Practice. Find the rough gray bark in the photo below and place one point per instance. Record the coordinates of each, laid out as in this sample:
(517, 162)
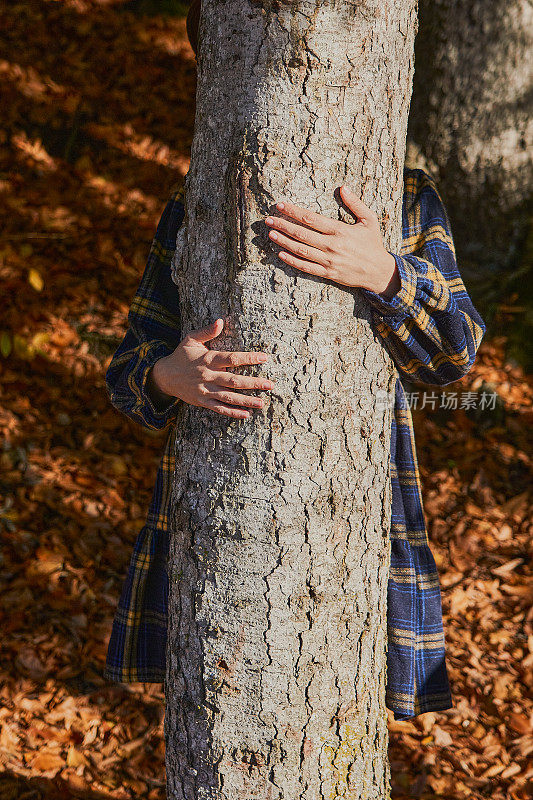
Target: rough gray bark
(471, 117)
(279, 555)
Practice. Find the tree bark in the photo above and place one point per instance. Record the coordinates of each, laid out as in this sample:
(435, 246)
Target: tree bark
(279, 554)
(471, 118)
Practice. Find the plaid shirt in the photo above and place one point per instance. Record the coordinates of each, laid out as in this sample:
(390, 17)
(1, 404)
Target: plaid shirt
(431, 330)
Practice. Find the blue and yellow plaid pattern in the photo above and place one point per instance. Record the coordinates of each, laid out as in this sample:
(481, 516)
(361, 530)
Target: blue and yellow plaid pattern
(432, 331)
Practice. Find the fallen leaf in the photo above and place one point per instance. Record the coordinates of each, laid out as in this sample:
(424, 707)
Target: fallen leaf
(46, 762)
(35, 279)
(442, 738)
(75, 758)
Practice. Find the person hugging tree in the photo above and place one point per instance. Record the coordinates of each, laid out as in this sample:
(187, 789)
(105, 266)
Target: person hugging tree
(426, 320)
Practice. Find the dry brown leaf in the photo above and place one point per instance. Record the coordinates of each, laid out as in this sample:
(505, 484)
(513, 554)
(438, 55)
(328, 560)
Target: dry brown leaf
(46, 762)
(29, 662)
(512, 769)
(508, 567)
(520, 723)
(75, 758)
(442, 738)
(65, 713)
(516, 506)
(9, 739)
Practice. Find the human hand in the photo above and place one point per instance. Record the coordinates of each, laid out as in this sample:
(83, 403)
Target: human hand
(349, 254)
(197, 375)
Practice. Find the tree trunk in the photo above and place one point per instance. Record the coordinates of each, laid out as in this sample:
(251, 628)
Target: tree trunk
(471, 117)
(279, 554)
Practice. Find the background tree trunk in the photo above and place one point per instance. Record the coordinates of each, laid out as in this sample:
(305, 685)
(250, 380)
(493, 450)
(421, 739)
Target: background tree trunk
(279, 557)
(471, 117)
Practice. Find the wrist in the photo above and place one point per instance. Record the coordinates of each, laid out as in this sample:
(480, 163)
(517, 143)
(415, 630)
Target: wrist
(388, 280)
(157, 382)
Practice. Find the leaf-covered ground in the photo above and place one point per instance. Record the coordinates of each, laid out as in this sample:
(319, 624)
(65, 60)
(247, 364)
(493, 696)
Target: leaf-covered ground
(96, 128)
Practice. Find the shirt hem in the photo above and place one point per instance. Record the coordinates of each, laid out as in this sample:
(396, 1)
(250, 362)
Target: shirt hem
(119, 676)
(422, 707)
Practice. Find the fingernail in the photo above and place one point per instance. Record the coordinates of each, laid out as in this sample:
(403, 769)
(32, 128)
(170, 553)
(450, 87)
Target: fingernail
(262, 358)
(348, 191)
(280, 205)
(269, 221)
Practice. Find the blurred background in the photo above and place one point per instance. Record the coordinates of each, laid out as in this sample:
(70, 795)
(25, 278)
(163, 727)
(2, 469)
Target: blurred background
(97, 122)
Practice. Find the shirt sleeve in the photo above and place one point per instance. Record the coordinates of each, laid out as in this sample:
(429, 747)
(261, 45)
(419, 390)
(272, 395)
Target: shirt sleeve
(430, 326)
(154, 328)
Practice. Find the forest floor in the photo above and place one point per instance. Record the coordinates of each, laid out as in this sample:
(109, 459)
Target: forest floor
(97, 126)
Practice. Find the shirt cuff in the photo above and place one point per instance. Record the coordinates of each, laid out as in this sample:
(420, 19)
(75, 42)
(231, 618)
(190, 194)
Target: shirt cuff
(156, 416)
(402, 301)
